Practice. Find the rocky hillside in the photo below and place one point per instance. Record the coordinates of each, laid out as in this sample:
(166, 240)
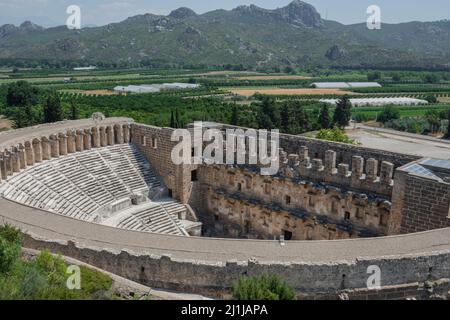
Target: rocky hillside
(250, 36)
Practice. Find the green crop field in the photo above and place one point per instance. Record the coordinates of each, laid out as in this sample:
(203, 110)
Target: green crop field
(91, 91)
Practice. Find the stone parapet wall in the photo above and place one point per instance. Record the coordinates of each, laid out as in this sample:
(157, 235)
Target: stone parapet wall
(35, 148)
(344, 152)
(361, 175)
(311, 279)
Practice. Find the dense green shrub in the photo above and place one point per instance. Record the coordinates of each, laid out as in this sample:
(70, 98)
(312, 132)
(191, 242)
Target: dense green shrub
(44, 278)
(9, 254)
(431, 98)
(10, 234)
(412, 125)
(264, 287)
(387, 114)
(374, 76)
(363, 117)
(336, 135)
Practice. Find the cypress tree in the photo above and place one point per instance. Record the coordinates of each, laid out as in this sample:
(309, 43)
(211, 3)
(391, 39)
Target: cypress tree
(52, 108)
(269, 114)
(342, 114)
(286, 120)
(447, 136)
(73, 111)
(302, 119)
(324, 117)
(29, 115)
(172, 120)
(178, 120)
(235, 115)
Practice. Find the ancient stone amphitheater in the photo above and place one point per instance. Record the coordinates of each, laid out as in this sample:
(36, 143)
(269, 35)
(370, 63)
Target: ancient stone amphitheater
(105, 191)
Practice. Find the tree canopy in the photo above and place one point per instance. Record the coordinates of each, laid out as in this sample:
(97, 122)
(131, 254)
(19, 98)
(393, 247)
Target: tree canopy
(52, 108)
(264, 287)
(21, 94)
(343, 113)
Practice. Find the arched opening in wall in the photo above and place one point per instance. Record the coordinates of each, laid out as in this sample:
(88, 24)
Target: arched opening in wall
(194, 176)
(309, 232)
(384, 218)
(247, 227)
(267, 187)
(334, 206)
(144, 141)
(331, 234)
(311, 201)
(170, 192)
(347, 215)
(239, 186)
(248, 182)
(231, 179)
(287, 200)
(359, 213)
(154, 143)
(287, 235)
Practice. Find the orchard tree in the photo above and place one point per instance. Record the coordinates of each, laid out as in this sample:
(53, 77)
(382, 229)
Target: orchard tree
(388, 113)
(21, 94)
(374, 76)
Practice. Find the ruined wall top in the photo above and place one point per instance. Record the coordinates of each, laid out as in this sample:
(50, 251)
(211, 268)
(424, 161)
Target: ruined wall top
(345, 152)
(14, 137)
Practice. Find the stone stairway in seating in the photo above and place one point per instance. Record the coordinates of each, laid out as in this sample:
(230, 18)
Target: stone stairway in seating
(79, 184)
(139, 162)
(154, 217)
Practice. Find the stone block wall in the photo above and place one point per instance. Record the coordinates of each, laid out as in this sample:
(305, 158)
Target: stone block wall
(399, 274)
(344, 152)
(269, 206)
(362, 175)
(156, 145)
(420, 204)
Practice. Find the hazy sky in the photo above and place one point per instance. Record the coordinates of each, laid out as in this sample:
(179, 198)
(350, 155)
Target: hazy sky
(100, 12)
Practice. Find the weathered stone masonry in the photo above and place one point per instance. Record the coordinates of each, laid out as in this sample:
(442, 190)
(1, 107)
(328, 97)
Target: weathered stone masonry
(354, 197)
(323, 191)
(18, 157)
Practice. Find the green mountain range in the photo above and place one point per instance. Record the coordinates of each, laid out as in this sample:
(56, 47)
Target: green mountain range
(247, 36)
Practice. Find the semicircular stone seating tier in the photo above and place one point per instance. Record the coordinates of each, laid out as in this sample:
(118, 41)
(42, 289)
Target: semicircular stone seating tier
(81, 185)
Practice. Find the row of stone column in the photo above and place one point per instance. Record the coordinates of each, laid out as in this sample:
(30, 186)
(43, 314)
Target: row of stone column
(343, 170)
(30, 152)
